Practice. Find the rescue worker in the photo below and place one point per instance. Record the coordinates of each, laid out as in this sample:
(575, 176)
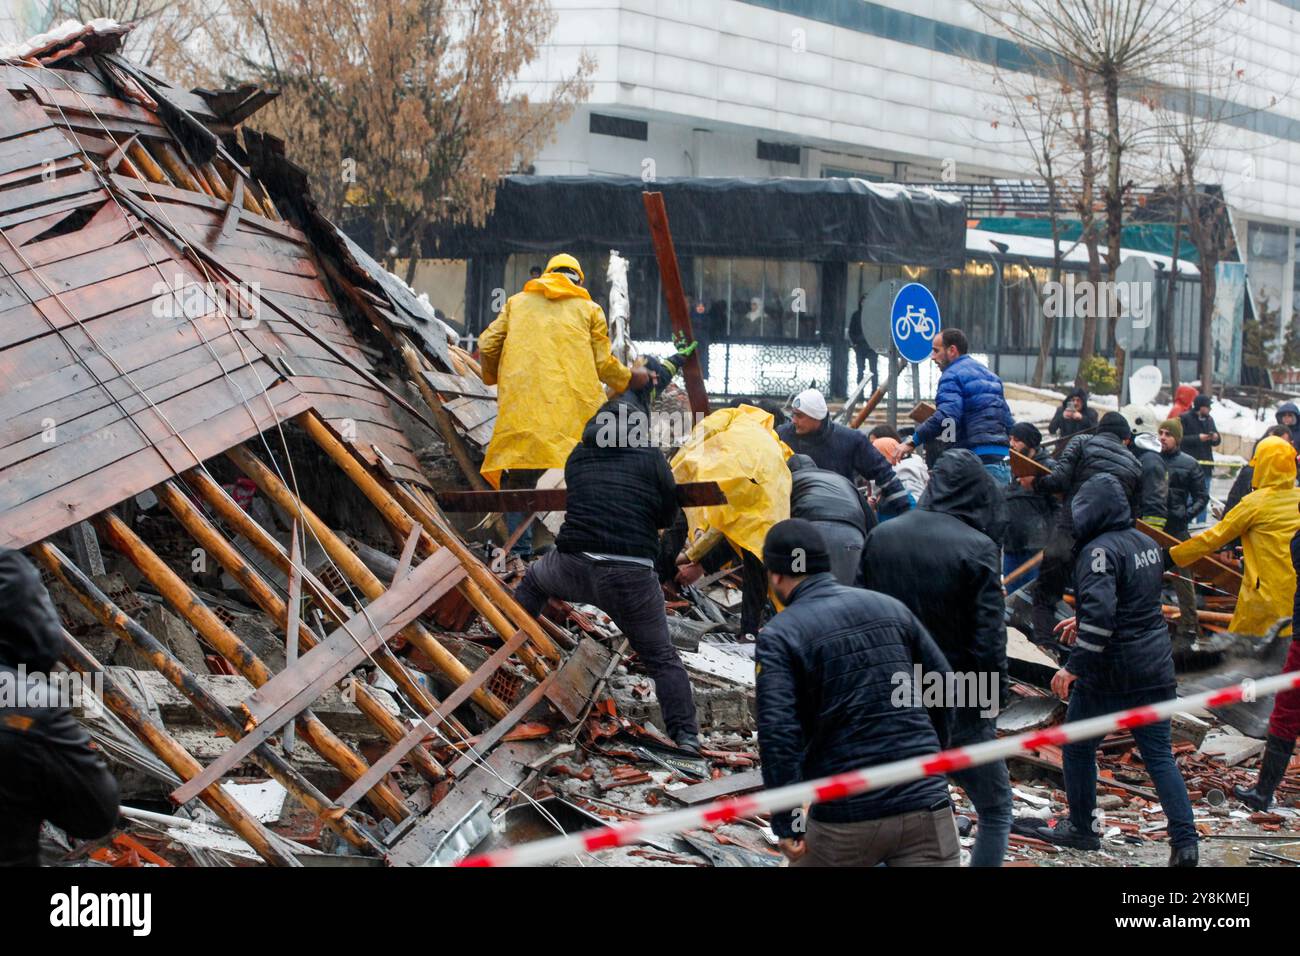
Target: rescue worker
(1104, 452)
(1200, 434)
(970, 408)
(548, 353)
(841, 449)
(1283, 723)
(836, 692)
(1074, 415)
(739, 449)
(1266, 520)
(1030, 516)
(1188, 495)
(830, 503)
(620, 493)
(942, 561)
(49, 769)
(1120, 658)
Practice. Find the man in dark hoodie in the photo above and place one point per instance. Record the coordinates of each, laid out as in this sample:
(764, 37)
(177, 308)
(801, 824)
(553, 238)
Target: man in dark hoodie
(1201, 435)
(1105, 452)
(1289, 415)
(837, 509)
(1188, 495)
(942, 560)
(1030, 516)
(620, 493)
(1120, 658)
(1073, 416)
(836, 692)
(48, 767)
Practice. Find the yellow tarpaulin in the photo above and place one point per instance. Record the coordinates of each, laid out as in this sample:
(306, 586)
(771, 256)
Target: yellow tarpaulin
(737, 448)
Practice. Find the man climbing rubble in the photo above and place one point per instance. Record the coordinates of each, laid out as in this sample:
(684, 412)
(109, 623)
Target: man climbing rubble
(846, 451)
(942, 560)
(620, 493)
(48, 768)
(548, 353)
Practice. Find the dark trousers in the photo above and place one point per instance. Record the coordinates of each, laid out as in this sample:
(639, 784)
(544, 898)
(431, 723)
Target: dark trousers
(520, 479)
(988, 786)
(753, 592)
(916, 838)
(631, 596)
(1079, 762)
(66, 783)
(1054, 576)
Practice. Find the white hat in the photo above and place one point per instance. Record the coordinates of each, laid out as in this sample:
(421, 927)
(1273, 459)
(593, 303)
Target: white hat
(811, 403)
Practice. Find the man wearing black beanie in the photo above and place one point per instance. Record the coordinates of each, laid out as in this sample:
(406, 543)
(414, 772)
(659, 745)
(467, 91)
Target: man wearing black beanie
(840, 687)
(1103, 453)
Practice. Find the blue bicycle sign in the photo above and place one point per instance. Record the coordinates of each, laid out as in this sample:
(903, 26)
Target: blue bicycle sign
(914, 321)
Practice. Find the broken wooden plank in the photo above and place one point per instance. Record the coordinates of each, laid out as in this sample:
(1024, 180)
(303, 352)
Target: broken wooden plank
(690, 494)
(711, 790)
(675, 298)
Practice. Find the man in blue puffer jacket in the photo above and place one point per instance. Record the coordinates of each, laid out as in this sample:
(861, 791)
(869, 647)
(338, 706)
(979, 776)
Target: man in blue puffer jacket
(970, 409)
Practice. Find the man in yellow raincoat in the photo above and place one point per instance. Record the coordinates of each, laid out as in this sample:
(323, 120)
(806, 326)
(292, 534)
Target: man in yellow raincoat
(739, 449)
(548, 353)
(1265, 520)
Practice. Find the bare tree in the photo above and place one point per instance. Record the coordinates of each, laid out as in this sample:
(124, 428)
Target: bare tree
(405, 113)
(1121, 46)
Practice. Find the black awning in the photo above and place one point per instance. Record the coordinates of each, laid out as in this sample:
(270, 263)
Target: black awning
(810, 219)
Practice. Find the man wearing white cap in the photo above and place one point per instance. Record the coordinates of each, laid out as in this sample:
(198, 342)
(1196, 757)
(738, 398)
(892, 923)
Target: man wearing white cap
(846, 451)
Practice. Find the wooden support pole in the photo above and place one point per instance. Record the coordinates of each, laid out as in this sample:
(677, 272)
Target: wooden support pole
(191, 607)
(484, 589)
(240, 521)
(176, 757)
(256, 587)
(356, 571)
(146, 163)
(675, 298)
(163, 661)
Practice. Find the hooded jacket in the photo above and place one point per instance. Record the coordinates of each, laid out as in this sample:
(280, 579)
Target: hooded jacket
(849, 452)
(1188, 491)
(1065, 427)
(1085, 456)
(548, 353)
(1153, 486)
(1265, 520)
(1123, 642)
(620, 488)
(830, 699)
(970, 396)
(1295, 429)
(1183, 398)
(1030, 515)
(942, 561)
(820, 495)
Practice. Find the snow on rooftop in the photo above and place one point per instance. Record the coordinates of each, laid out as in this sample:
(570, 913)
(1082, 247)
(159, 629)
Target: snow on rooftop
(64, 32)
(1074, 253)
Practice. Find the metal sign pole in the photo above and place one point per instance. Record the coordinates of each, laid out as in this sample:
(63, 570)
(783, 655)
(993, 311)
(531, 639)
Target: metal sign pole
(893, 385)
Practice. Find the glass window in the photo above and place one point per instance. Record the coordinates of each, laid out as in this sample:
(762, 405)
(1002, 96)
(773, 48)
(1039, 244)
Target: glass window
(1266, 265)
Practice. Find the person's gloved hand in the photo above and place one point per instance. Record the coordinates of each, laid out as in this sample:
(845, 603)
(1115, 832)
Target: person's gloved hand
(682, 347)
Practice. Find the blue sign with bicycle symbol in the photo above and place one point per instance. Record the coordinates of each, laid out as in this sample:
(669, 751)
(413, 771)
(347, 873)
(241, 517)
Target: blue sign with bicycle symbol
(914, 321)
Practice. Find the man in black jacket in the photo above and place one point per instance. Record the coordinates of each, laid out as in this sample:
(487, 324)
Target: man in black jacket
(941, 562)
(1105, 452)
(836, 508)
(1120, 659)
(1074, 415)
(843, 450)
(1188, 495)
(1153, 485)
(48, 767)
(1200, 435)
(1030, 516)
(836, 692)
(620, 493)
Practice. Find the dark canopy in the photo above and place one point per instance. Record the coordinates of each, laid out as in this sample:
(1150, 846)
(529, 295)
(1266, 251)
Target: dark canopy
(810, 219)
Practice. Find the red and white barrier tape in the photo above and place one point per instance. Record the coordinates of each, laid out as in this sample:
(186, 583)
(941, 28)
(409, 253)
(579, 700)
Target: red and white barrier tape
(873, 778)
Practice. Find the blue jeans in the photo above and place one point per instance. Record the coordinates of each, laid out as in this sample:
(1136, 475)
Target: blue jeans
(988, 787)
(1000, 470)
(1079, 762)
